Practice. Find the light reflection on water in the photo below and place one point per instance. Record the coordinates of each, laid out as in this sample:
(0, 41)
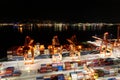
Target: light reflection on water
(60, 27)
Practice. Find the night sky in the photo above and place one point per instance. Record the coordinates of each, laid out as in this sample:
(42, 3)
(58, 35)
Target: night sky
(61, 10)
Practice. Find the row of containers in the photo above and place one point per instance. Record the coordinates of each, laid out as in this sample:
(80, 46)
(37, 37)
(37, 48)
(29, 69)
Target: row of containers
(78, 73)
(70, 76)
(110, 68)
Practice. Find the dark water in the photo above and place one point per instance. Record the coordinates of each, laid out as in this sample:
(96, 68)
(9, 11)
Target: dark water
(14, 36)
